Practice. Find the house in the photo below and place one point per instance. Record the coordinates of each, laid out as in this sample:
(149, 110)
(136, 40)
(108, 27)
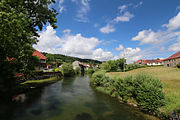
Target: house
(173, 60)
(152, 62)
(42, 63)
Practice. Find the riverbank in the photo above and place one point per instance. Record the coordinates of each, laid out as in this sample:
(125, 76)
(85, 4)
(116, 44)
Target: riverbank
(170, 78)
(39, 83)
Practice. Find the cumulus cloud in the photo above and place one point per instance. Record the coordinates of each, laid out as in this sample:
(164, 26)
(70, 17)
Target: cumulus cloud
(124, 18)
(174, 47)
(130, 54)
(100, 54)
(71, 45)
(147, 36)
(75, 45)
(107, 29)
(49, 41)
(174, 23)
(83, 9)
(120, 48)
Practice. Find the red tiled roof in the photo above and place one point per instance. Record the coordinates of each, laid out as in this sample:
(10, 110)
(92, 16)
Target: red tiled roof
(149, 61)
(176, 55)
(37, 53)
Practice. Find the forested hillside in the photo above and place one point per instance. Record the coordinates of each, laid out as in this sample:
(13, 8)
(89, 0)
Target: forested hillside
(58, 58)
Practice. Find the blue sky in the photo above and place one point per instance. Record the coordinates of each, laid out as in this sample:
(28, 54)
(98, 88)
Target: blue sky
(112, 29)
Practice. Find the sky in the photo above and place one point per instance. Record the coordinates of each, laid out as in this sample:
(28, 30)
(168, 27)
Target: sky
(112, 29)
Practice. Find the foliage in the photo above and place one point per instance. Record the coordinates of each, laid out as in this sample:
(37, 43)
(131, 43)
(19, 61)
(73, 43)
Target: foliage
(105, 66)
(59, 59)
(144, 89)
(90, 71)
(148, 92)
(67, 69)
(178, 65)
(77, 70)
(132, 66)
(113, 65)
(20, 21)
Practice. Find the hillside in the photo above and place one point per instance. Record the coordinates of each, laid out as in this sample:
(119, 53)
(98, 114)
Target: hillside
(62, 58)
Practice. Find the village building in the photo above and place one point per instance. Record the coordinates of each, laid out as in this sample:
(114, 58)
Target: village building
(153, 62)
(173, 60)
(42, 63)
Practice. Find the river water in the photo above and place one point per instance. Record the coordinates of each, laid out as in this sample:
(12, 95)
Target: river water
(70, 99)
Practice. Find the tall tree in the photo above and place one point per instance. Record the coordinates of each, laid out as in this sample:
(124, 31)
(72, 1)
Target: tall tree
(20, 21)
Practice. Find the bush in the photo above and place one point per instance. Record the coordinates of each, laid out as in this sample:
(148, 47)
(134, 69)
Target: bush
(90, 71)
(144, 89)
(67, 69)
(148, 92)
(105, 66)
(99, 78)
(132, 66)
(77, 70)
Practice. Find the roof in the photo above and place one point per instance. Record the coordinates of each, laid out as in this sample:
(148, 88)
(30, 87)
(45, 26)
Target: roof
(176, 55)
(37, 53)
(149, 61)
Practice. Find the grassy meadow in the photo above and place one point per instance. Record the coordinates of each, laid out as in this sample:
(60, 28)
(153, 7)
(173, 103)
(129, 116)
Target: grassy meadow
(170, 77)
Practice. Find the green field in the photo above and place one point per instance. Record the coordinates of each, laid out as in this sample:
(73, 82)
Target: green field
(170, 77)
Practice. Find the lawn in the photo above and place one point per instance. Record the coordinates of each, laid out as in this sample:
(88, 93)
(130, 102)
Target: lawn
(170, 77)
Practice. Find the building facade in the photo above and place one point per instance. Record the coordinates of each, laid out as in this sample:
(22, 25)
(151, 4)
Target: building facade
(173, 60)
(153, 62)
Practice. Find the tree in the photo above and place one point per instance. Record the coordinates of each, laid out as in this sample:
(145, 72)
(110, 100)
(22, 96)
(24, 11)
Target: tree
(20, 21)
(121, 63)
(67, 69)
(105, 66)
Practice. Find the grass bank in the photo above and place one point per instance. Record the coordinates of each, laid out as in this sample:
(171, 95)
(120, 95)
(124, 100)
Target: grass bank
(170, 77)
(39, 83)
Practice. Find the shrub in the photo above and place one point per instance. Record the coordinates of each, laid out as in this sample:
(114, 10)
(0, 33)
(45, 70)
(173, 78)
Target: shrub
(105, 66)
(67, 69)
(144, 89)
(99, 78)
(148, 92)
(90, 71)
(77, 70)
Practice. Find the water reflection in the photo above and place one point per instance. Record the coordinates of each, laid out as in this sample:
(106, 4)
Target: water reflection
(69, 99)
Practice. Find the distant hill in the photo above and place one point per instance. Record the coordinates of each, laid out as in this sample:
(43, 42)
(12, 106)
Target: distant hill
(62, 58)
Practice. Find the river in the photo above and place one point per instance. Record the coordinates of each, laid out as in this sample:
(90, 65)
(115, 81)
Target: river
(70, 99)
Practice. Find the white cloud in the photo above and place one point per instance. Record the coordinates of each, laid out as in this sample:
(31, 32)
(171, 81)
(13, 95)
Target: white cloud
(48, 40)
(71, 45)
(76, 45)
(139, 4)
(124, 18)
(131, 54)
(107, 29)
(147, 36)
(83, 9)
(174, 23)
(120, 48)
(122, 8)
(174, 47)
(100, 54)
(178, 8)
(67, 31)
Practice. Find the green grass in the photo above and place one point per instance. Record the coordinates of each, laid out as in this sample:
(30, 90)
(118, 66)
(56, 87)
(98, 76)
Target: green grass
(43, 81)
(170, 77)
